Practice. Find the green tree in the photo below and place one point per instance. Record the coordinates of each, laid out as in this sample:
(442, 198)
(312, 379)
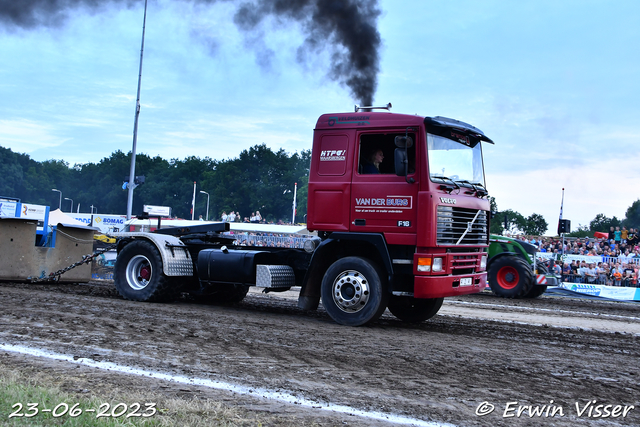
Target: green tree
(535, 225)
(602, 223)
(510, 221)
(580, 231)
(632, 217)
(497, 221)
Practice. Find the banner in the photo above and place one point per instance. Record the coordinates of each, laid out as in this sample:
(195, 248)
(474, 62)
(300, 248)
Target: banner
(602, 291)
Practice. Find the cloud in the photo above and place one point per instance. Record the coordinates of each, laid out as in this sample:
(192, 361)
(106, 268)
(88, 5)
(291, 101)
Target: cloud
(594, 187)
(27, 136)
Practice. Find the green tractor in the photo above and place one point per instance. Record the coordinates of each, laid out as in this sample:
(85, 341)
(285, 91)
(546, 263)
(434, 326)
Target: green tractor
(512, 270)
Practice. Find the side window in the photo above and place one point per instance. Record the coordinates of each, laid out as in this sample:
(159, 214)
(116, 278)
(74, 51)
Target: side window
(377, 153)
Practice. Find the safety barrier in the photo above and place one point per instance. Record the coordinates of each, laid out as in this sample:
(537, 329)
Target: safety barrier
(588, 259)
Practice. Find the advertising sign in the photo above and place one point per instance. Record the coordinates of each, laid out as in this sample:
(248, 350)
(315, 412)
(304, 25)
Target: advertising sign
(157, 210)
(8, 209)
(29, 211)
(105, 223)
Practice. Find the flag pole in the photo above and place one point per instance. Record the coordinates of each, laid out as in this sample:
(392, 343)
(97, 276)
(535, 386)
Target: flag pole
(560, 220)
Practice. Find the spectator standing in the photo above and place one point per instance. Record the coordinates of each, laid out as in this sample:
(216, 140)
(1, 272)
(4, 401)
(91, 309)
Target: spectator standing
(231, 217)
(624, 235)
(632, 238)
(590, 274)
(603, 273)
(224, 216)
(616, 274)
(617, 236)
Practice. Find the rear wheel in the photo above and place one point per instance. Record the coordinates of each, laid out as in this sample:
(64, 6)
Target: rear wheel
(354, 291)
(414, 310)
(510, 277)
(224, 294)
(138, 274)
(537, 290)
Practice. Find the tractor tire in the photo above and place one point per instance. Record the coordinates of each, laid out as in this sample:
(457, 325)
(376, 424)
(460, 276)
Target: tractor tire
(414, 310)
(510, 277)
(354, 291)
(138, 274)
(537, 290)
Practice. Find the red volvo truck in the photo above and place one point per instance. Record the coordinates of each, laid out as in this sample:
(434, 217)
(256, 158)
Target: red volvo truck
(402, 218)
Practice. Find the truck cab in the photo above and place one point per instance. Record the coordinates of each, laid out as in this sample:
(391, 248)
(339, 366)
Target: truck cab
(421, 211)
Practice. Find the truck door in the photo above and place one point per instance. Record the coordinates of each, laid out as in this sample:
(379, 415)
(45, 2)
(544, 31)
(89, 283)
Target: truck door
(381, 201)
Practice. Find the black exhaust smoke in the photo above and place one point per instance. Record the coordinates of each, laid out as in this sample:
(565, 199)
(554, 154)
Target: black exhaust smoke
(345, 28)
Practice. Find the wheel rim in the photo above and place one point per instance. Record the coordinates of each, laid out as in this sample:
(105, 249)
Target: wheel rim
(139, 272)
(350, 291)
(508, 277)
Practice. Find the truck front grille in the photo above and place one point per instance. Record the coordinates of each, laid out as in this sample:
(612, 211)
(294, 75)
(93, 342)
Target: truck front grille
(455, 226)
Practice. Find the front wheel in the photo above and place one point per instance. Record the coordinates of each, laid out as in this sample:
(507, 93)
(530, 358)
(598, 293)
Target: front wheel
(354, 291)
(138, 274)
(414, 310)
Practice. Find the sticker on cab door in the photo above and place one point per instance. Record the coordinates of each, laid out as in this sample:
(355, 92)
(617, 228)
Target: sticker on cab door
(389, 204)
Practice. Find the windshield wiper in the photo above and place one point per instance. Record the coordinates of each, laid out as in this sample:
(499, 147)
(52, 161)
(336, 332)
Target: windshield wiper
(444, 187)
(477, 187)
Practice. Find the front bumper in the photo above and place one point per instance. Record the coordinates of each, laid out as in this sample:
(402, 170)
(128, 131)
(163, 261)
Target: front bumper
(447, 286)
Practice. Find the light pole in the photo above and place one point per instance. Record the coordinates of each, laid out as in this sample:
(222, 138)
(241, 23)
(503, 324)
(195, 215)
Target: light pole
(71, 210)
(60, 203)
(132, 169)
(204, 192)
(96, 208)
(295, 193)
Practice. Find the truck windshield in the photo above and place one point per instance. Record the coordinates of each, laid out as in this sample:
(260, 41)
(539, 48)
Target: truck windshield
(452, 160)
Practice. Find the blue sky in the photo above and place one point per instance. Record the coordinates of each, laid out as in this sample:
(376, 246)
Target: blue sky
(556, 84)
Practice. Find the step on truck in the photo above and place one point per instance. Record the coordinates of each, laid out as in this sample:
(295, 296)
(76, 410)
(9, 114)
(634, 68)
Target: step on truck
(400, 209)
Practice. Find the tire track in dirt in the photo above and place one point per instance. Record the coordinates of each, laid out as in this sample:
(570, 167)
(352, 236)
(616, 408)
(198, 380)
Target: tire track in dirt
(440, 370)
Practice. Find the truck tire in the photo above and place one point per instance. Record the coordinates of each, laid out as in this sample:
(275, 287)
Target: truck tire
(354, 291)
(225, 294)
(414, 310)
(510, 277)
(138, 274)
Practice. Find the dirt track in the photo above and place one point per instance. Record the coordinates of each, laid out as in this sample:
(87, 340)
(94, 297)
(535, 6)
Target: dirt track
(553, 348)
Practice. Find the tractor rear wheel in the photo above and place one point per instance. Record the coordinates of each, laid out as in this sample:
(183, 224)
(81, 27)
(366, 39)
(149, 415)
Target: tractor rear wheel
(510, 277)
(537, 290)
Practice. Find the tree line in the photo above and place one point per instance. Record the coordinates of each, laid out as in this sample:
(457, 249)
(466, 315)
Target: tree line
(258, 179)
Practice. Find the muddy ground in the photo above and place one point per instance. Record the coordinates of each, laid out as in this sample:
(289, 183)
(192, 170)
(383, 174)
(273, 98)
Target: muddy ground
(478, 349)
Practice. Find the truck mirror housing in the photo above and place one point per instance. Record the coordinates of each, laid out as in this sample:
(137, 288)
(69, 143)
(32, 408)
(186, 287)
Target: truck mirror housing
(400, 160)
(403, 142)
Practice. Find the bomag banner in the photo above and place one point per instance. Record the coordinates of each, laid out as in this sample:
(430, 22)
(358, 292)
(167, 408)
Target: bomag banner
(105, 223)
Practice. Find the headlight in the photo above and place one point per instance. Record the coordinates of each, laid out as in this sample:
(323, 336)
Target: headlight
(437, 264)
(424, 264)
(483, 262)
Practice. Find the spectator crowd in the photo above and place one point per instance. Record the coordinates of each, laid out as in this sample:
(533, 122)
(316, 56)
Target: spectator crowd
(616, 257)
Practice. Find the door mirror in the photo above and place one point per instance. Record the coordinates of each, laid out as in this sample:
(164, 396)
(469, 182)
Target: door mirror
(404, 141)
(400, 160)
